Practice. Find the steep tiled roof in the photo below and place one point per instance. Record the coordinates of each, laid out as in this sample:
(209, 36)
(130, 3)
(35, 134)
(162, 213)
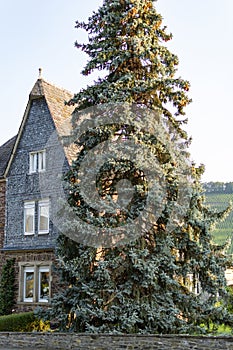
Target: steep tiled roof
(55, 98)
(5, 152)
(60, 113)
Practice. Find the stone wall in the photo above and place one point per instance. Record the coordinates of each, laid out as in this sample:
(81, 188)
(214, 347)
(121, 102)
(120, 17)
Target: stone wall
(24, 186)
(52, 341)
(2, 210)
(24, 257)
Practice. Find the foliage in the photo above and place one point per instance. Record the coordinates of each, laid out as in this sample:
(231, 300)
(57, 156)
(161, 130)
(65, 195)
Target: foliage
(126, 38)
(22, 322)
(38, 325)
(7, 287)
(218, 187)
(16, 322)
(223, 229)
(230, 299)
(165, 281)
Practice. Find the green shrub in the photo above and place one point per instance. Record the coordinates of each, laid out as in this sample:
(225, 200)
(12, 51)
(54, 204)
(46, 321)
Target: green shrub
(7, 288)
(22, 322)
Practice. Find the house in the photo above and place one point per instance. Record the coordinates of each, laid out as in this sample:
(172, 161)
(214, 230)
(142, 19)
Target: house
(27, 232)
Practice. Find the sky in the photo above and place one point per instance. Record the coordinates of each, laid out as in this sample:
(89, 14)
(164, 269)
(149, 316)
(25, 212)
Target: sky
(42, 34)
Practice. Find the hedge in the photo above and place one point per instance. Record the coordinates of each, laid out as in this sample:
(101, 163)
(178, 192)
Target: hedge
(22, 322)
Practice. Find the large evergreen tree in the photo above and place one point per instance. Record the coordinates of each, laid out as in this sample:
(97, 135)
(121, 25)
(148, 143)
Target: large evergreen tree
(164, 281)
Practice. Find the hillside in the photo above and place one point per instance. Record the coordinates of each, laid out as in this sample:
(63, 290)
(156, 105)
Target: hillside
(223, 230)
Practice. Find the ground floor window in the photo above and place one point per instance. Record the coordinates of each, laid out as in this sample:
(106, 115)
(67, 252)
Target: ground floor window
(35, 282)
(28, 287)
(44, 277)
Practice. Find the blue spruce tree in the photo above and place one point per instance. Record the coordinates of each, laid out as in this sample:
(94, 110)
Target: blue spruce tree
(165, 280)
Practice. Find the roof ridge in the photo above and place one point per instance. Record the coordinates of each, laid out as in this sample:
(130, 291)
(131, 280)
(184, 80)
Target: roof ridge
(55, 85)
(42, 86)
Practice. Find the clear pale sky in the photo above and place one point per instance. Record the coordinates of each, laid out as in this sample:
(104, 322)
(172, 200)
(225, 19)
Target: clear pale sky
(42, 34)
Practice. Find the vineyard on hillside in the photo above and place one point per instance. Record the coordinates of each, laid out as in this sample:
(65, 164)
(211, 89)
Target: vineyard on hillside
(224, 230)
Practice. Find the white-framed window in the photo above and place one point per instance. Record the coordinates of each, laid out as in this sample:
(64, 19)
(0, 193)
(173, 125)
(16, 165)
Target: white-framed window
(44, 285)
(37, 161)
(29, 284)
(33, 162)
(35, 282)
(29, 218)
(43, 216)
(36, 217)
(41, 161)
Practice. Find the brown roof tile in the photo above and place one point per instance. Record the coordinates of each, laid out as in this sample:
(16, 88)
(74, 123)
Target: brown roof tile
(55, 98)
(60, 112)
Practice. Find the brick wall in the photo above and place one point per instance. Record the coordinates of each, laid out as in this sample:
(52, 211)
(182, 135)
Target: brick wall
(57, 341)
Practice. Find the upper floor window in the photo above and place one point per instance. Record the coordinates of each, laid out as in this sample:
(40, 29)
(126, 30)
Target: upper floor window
(36, 217)
(29, 218)
(37, 161)
(43, 216)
